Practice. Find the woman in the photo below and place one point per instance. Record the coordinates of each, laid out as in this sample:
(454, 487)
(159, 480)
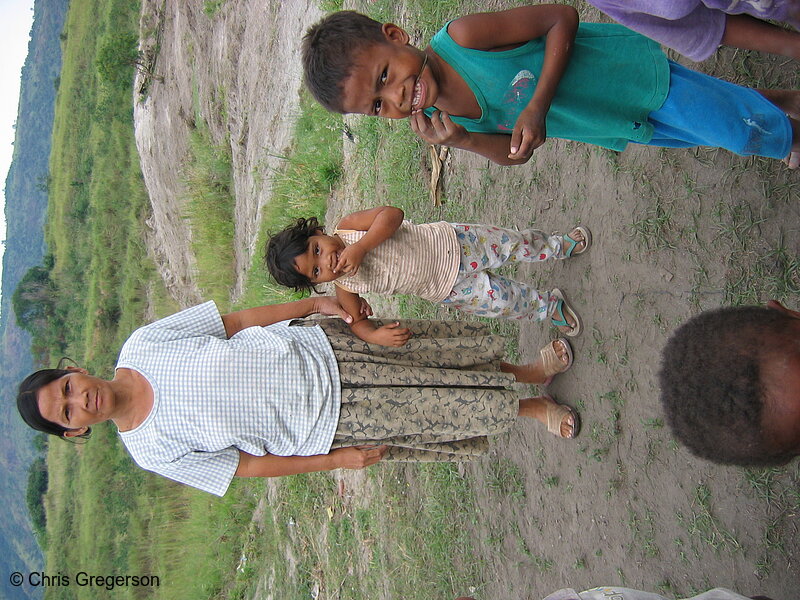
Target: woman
(200, 397)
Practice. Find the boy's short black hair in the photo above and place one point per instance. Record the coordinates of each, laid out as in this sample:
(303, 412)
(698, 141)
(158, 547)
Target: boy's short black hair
(329, 51)
(711, 385)
(284, 247)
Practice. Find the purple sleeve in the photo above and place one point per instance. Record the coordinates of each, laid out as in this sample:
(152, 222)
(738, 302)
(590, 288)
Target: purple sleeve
(687, 26)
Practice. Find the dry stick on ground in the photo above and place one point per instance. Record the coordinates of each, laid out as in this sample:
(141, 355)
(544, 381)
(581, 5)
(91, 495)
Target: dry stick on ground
(438, 157)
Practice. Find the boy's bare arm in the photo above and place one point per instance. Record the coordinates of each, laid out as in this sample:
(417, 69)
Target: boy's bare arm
(508, 29)
(439, 128)
(379, 223)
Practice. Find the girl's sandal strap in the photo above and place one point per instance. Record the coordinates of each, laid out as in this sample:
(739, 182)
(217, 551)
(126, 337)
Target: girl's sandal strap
(572, 243)
(563, 309)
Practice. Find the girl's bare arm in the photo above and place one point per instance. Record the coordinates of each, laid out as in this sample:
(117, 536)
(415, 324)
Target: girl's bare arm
(363, 328)
(379, 223)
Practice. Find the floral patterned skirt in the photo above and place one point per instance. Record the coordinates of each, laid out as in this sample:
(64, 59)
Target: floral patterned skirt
(434, 399)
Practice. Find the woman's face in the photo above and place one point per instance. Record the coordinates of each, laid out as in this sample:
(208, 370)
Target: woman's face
(76, 401)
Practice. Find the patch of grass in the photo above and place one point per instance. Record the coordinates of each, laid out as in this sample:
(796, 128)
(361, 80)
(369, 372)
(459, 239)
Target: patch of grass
(764, 483)
(643, 532)
(704, 526)
(209, 209)
(330, 5)
(505, 478)
(212, 7)
(312, 167)
(551, 482)
(652, 229)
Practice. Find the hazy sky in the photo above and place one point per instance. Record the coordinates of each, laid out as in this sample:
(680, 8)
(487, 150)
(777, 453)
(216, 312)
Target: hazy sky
(16, 18)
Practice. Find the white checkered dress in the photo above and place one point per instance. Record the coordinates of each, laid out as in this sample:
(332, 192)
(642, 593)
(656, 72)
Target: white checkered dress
(265, 390)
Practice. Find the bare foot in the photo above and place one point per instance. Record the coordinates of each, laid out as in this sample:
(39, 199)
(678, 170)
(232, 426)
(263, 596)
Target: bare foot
(793, 160)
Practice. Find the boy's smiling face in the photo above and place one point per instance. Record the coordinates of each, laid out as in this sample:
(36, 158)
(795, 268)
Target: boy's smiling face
(319, 260)
(389, 79)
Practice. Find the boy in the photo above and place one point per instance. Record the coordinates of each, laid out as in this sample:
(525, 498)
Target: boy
(730, 385)
(498, 83)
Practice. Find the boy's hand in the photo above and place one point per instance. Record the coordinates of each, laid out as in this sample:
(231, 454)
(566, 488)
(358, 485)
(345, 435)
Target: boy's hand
(439, 128)
(350, 260)
(529, 133)
(390, 335)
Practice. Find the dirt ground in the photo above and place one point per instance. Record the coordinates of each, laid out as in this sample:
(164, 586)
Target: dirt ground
(675, 232)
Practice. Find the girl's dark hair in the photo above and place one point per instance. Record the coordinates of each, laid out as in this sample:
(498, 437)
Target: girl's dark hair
(28, 405)
(284, 247)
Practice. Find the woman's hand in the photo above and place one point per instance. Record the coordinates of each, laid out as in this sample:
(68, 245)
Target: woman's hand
(357, 457)
(329, 305)
(350, 260)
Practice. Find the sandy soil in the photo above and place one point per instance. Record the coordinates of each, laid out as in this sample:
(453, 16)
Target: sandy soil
(239, 72)
(622, 504)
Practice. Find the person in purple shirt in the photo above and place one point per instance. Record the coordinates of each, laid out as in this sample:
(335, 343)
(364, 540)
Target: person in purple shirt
(696, 28)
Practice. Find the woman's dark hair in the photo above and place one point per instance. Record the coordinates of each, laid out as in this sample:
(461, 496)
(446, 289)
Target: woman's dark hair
(284, 247)
(28, 405)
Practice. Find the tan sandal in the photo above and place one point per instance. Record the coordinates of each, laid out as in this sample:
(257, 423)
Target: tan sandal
(553, 365)
(555, 416)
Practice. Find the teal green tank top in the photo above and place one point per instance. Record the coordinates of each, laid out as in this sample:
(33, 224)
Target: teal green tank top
(614, 79)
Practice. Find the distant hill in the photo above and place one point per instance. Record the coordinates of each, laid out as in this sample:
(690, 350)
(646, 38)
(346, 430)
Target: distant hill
(25, 211)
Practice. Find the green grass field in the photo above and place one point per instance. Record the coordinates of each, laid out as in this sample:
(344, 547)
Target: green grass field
(104, 515)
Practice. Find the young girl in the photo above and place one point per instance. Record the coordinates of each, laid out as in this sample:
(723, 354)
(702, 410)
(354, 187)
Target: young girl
(377, 251)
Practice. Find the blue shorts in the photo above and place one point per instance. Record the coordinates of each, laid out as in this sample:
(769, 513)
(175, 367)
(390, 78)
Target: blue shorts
(701, 110)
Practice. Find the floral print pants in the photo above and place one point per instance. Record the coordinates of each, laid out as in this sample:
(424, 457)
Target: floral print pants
(434, 399)
(480, 292)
